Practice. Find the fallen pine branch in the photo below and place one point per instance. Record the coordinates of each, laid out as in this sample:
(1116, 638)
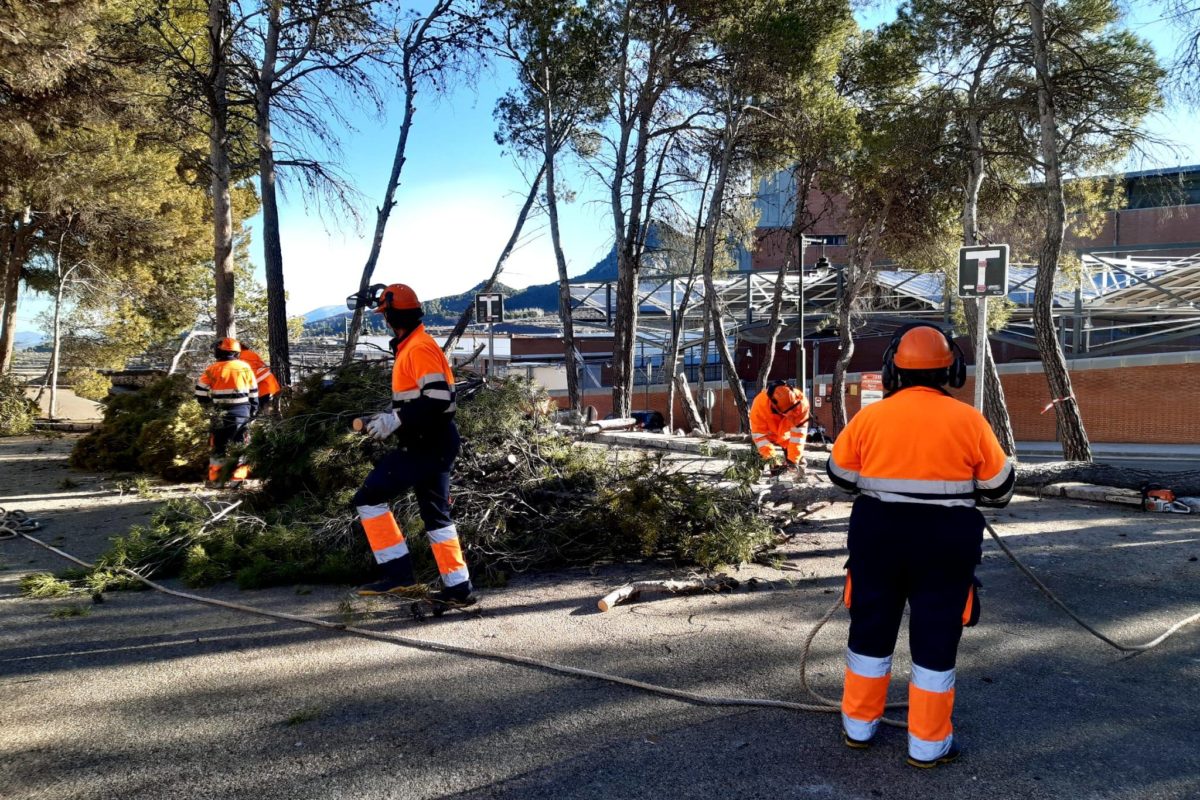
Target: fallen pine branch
(631, 591)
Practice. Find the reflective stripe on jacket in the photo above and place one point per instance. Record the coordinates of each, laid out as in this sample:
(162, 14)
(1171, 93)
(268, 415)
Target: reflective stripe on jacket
(422, 384)
(919, 445)
(268, 384)
(230, 385)
(768, 428)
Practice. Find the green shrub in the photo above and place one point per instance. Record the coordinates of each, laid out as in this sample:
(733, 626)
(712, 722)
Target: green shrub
(159, 429)
(88, 383)
(17, 412)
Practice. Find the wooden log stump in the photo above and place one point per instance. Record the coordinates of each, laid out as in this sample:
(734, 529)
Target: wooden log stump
(631, 591)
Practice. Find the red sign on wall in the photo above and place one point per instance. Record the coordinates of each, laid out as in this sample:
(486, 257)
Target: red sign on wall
(871, 384)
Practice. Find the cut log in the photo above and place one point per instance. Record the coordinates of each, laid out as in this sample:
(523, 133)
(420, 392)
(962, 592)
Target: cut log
(1037, 475)
(631, 591)
(620, 424)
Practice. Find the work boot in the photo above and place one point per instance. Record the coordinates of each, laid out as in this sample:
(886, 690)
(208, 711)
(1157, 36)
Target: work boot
(855, 744)
(459, 595)
(398, 579)
(950, 755)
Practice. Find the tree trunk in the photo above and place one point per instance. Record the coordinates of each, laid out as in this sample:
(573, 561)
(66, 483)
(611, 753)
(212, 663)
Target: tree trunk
(14, 263)
(845, 352)
(716, 204)
(862, 256)
(690, 411)
(775, 326)
(1184, 483)
(277, 328)
(995, 408)
(384, 212)
(56, 345)
(671, 363)
(628, 272)
(219, 166)
(1070, 422)
(464, 318)
(550, 141)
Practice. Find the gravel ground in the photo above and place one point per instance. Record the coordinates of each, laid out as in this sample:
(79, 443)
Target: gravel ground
(150, 696)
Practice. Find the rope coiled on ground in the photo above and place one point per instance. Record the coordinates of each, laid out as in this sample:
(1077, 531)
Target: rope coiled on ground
(15, 524)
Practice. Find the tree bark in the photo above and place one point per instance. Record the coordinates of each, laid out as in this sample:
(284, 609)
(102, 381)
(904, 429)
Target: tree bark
(1184, 483)
(690, 411)
(995, 407)
(464, 318)
(551, 144)
(219, 166)
(384, 212)
(845, 352)
(14, 263)
(277, 328)
(775, 326)
(1075, 444)
(711, 230)
(858, 267)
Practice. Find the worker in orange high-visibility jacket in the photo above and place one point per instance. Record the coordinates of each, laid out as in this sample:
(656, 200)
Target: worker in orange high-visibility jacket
(228, 385)
(268, 384)
(422, 421)
(920, 461)
(779, 416)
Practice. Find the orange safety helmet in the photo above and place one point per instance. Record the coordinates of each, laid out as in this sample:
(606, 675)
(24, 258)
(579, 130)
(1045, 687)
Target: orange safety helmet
(397, 296)
(923, 347)
(228, 345)
(783, 397)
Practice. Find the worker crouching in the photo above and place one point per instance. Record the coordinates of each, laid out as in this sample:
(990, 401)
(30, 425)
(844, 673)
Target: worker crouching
(779, 418)
(422, 422)
(920, 461)
(228, 384)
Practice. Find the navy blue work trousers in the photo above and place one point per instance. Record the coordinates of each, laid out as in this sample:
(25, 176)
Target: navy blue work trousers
(920, 554)
(423, 467)
(231, 427)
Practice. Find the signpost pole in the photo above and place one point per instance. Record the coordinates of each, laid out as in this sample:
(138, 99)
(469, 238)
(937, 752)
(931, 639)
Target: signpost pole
(982, 271)
(980, 351)
(491, 365)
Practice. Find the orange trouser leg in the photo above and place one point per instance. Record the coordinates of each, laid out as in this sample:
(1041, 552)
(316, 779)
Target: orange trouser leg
(383, 533)
(930, 704)
(864, 694)
(449, 556)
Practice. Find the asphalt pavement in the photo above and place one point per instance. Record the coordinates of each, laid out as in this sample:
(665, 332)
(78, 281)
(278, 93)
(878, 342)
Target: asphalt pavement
(150, 696)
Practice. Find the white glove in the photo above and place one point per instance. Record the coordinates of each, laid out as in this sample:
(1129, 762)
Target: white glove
(381, 426)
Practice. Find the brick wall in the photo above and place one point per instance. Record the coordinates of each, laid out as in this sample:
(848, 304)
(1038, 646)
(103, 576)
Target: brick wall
(1139, 399)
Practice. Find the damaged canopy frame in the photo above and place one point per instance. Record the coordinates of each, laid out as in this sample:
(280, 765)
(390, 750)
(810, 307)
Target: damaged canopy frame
(1114, 301)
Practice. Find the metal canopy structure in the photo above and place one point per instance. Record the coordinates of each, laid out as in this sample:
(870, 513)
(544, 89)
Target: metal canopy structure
(1113, 303)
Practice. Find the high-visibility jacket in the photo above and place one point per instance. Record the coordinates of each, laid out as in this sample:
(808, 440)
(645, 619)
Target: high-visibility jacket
(422, 387)
(920, 445)
(230, 386)
(268, 384)
(788, 430)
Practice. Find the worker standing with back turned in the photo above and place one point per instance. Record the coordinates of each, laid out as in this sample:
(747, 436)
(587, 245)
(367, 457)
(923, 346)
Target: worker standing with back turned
(779, 417)
(921, 461)
(229, 385)
(422, 420)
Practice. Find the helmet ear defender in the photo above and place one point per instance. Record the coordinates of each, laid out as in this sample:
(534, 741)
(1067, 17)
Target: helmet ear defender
(957, 371)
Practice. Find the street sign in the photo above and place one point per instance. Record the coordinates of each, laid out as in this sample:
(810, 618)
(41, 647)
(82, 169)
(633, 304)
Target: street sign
(983, 271)
(489, 308)
(872, 388)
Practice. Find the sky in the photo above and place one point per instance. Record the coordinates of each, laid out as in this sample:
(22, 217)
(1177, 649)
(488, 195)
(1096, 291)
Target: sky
(460, 194)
